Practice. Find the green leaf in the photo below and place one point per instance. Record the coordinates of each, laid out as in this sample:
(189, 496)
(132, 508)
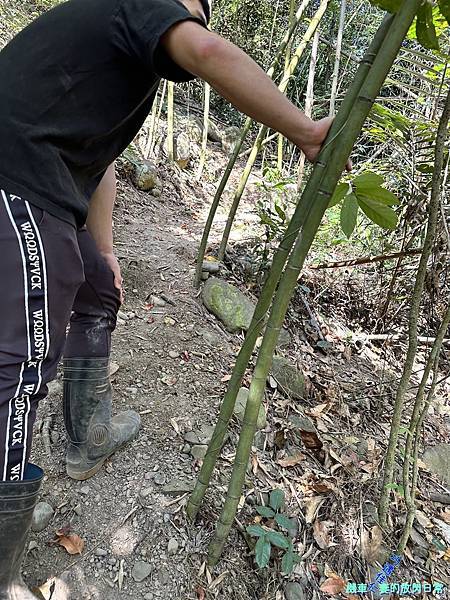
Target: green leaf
(287, 564)
(265, 511)
(276, 499)
(262, 552)
(368, 179)
(425, 28)
(444, 7)
(256, 530)
(341, 190)
(380, 214)
(349, 213)
(280, 212)
(283, 521)
(277, 539)
(380, 195)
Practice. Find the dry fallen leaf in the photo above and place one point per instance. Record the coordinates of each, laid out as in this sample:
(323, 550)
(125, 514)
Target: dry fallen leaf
(321, 533)
(312, 506)
(70, 541)
(201, 595)
(45, 591)
(291, 461)
(446, 516)
(333, 585)
(371, 544)
(311, 440)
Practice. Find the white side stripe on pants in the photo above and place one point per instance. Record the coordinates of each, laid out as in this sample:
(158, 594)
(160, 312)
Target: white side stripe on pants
(37, 333)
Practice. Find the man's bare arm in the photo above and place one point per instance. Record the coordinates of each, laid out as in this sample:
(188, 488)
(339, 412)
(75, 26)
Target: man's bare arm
(236, 77)
(99, 222)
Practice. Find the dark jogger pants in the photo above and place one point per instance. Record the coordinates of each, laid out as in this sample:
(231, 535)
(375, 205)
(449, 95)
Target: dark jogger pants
(47, 270)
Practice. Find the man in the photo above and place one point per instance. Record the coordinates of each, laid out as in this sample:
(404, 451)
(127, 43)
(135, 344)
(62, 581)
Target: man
(77, 85)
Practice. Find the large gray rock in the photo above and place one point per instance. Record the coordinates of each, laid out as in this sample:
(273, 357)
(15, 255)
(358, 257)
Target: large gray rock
(437, 460)
(181, 149)
(42, 516)
(229, 138)
(288, 377)
(228, 304)
(145, 176)
(214, 132)
(241, 403)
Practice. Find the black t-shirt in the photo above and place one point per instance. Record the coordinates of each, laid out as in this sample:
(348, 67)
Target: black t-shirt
(75, 87)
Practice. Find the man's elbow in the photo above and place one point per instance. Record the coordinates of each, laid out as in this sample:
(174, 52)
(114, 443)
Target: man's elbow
(208, 49)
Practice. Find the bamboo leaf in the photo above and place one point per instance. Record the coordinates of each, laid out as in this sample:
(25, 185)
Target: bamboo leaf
(276, 499)
(256, 530)
(280, 212)
(341, 191)
(262, 552)
(265, 511)
(380, 214)
(278, 539)
(287, 563)
(283, 521)
(425, 28)
(349, 213)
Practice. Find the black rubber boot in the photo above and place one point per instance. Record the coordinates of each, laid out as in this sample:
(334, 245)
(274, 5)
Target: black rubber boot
(17, 502)
(93, 434)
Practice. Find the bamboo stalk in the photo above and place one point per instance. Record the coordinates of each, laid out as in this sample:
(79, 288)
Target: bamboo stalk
(433, 213)
(287, 59)
(244, 132)
(278, 262)
(151, 132)
(170, 122)
(337, 62)
(201, 165)
(161, 103)
(344, 141)
(314, 23)
(309, 100)
(419, 413)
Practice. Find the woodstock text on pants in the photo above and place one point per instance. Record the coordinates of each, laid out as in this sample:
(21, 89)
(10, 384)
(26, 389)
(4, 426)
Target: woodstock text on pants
(50, 274)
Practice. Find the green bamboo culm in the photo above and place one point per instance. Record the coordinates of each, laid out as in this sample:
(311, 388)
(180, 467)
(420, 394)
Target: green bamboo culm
(279, 260)
(342, 145)
(293, 64)
(244, 133)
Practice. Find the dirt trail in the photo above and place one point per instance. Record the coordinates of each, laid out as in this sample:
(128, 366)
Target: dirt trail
(173, 361)
(122, 514)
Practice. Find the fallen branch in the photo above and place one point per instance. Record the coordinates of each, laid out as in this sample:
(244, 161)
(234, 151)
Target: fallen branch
(422, 339)
(365, 260)
(435, 497)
